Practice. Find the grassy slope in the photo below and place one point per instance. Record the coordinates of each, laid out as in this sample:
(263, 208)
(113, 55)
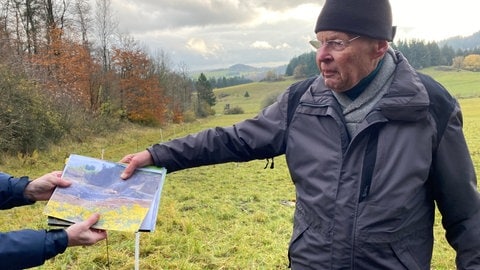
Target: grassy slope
(461, 83)
(229, 216)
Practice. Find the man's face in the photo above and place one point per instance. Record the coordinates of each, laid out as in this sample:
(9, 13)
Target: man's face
(342, 67)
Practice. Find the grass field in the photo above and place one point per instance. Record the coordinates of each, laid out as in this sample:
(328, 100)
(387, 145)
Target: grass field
(229, 216)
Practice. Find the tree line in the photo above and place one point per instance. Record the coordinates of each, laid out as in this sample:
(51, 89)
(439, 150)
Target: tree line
(420, 54)
(224, 81)
(65, 70)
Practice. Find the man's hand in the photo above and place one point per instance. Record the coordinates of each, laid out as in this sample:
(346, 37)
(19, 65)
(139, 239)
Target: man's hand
(82, 233)
(41, 189)
(138, 160)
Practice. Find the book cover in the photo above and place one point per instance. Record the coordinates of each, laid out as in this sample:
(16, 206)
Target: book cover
(124, 205)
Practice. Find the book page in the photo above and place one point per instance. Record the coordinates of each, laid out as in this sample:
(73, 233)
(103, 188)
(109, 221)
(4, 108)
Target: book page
(124, 205)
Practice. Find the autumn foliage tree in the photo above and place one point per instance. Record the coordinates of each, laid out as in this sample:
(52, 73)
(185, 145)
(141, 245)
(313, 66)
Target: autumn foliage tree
(472, 62)
(140, 94)
(65, 68)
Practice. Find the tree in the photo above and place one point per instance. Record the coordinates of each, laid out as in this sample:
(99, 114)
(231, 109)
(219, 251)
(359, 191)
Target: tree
(64, 67)
(82, 18)
(309, 65)
(300, 71)
(472, 62)
(435, 54)
(141, 95)
(105, 27)
(205, 90)
(205, 95)
(457, 62)
(448, 53)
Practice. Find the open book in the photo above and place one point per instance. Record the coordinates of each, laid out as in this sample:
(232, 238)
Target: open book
(124, 205)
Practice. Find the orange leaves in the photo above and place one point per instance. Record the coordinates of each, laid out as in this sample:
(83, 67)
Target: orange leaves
(472, 62)
(141, 93)
(65, 68)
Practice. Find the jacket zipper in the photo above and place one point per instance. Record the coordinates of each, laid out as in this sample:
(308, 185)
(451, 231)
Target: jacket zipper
(364, 188)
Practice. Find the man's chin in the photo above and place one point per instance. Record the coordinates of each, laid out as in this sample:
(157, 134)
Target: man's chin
(330, 83)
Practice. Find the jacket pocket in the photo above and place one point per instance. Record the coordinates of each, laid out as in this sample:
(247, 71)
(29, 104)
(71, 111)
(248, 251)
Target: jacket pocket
(414, 251)
(402, 250)
(405, 256)
(300, 225)
(308, 246)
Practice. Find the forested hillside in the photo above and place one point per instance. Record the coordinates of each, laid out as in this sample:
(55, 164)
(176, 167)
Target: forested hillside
(459, 53)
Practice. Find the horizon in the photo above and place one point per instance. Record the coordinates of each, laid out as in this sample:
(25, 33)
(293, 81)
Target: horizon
(279, 65)
(205, 34)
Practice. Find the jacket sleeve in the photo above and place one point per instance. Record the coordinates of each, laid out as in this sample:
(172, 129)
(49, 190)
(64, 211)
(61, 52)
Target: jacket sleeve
(257, 138)
(25, 248)
(29, 248)
(456, 194)
(11, 191)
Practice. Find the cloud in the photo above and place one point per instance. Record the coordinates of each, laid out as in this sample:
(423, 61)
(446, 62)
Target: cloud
(261, 45)
(175, 14)
(204, 33)
(200, 46)
(219, 33)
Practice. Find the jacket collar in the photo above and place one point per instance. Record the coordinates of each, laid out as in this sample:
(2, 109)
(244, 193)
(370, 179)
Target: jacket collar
(407, 99)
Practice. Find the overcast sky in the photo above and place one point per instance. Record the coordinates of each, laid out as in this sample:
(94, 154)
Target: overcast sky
(207, 34)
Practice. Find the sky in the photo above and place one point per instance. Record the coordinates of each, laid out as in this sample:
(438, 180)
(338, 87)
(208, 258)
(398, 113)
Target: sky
(210, 34)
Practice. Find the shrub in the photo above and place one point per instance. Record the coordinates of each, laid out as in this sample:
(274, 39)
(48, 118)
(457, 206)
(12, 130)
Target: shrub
(28, 121)
(234, 110)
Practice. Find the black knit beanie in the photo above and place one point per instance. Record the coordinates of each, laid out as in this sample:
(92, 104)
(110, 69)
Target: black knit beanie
(371, 18)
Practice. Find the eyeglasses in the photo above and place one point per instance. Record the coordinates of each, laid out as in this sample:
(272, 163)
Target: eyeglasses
(334, 44)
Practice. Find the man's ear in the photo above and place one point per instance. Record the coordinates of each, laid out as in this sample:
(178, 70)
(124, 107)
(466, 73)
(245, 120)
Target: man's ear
(381, 48)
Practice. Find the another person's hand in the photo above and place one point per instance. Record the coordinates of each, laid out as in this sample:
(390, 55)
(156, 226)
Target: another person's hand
(41, 189)
(138, 160)
(82, 233)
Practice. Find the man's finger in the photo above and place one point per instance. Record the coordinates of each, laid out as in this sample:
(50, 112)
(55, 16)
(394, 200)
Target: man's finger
(128, 171)
(92, 220)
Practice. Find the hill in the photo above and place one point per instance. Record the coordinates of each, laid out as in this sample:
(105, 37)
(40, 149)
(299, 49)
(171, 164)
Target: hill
(460, 83)
(240, 70)
(463, 43)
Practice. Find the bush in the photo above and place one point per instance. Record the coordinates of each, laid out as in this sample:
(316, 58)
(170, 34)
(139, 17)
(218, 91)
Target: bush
(27, 119)
(234, 110)
(204, 110)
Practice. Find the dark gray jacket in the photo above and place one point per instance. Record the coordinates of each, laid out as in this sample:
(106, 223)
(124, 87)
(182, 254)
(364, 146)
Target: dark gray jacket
(365, 202)
(25, 248)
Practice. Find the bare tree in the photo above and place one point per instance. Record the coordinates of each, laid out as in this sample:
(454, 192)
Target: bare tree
(83, 20)
(26, 24)
(55, 12)
(105, 29)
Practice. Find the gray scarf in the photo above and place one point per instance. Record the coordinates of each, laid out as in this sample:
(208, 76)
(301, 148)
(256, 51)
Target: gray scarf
(355, 111)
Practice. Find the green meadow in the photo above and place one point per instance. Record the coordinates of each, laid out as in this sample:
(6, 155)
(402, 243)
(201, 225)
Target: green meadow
(227, 216)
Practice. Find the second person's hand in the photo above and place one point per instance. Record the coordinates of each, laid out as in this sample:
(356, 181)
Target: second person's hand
(134, 161)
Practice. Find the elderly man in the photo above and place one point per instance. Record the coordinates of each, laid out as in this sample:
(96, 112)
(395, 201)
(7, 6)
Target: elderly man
(371, 145)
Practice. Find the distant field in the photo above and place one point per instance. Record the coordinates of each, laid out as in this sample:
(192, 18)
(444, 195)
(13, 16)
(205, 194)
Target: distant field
(257, 91)
(462, 84)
